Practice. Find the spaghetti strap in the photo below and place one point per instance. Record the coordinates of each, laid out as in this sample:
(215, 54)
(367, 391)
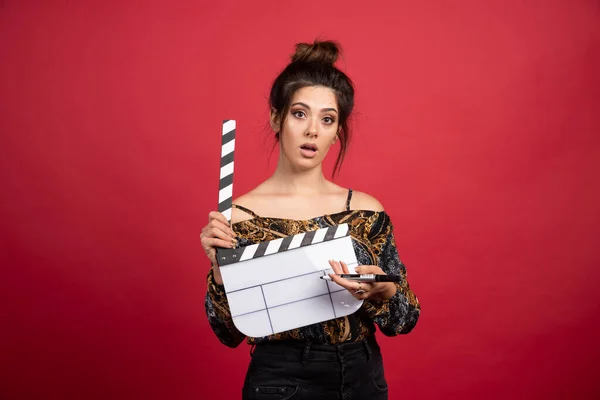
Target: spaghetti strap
(244, 209)
(348, 199)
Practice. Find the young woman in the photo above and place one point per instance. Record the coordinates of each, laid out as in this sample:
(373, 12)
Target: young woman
(311, 101)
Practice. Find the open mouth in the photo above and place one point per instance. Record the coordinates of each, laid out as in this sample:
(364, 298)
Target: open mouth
(309, 147)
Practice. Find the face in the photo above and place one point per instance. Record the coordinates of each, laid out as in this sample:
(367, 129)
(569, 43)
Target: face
(310, 127)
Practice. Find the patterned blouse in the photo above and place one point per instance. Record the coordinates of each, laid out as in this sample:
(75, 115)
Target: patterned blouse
(372, 235)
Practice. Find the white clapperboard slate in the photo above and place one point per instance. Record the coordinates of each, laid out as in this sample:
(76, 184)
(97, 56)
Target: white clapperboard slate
(275, 286)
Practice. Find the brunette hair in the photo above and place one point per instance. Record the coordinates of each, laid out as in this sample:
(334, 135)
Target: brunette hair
(313, 65)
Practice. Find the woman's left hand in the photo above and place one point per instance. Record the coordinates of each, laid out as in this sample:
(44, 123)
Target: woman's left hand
(362, 290)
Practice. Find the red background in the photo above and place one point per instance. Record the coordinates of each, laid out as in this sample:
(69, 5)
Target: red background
(477, 127)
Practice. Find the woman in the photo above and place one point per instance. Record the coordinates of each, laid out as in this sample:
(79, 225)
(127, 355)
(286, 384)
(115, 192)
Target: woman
(311, 102)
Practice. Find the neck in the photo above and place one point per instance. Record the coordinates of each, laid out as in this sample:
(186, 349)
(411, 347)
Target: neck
(293, 181)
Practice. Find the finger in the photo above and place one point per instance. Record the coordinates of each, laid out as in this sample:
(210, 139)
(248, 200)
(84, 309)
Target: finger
(218, 233)
(345, 283)
(362, 296)
(369, 269)
(210, 242)
(359, 292)
(210, 230)
(344, 267)
(367, 287)
(215, 215)
(215, 233)
(352, 287)
(224, 226)
(337, 268)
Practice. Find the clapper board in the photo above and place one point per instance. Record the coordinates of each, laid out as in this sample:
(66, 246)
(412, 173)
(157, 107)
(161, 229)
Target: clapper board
(275, 286)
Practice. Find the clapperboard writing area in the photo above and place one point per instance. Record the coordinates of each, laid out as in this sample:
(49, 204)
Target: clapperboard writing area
(275, 286)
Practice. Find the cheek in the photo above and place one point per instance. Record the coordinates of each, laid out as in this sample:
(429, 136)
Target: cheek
(326, 146)
(286, 141)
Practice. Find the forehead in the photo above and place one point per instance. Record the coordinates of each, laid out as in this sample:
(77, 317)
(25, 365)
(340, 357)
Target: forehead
(315, 96)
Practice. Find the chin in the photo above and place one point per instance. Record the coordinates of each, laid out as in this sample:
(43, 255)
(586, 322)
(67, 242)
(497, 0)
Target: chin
(307, 164)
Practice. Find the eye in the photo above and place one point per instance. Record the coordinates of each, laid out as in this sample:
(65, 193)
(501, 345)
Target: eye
(328, 120)
(298, 113)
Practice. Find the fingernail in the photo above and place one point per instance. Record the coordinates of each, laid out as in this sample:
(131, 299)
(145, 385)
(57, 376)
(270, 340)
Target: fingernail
(358, 269)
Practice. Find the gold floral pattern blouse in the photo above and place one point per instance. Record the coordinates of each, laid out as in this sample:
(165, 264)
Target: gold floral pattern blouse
(372, 235)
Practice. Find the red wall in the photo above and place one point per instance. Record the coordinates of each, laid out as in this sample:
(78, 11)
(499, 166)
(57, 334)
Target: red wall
(477, 127)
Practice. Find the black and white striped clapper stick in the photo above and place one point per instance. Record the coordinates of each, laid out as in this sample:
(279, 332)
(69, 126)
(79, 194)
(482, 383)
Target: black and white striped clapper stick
(230, 256)
(226, 173)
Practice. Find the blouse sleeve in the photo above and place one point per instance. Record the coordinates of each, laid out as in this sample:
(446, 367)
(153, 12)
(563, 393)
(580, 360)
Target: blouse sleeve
(219, 315)
(400, 313)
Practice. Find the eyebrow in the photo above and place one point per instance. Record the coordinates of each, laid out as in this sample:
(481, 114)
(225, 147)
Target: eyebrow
(307, 106)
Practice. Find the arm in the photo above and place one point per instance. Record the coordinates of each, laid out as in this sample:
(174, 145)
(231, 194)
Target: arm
(400, 313)
(219, 316)
(218, 233)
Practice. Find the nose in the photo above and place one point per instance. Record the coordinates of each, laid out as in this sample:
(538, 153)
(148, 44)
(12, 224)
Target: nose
(312, 131)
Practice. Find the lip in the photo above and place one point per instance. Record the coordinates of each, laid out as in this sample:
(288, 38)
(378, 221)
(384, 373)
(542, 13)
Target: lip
(310, 145)
(309, 150)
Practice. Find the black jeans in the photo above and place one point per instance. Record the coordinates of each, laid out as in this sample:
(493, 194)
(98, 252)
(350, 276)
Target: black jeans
(301, 370)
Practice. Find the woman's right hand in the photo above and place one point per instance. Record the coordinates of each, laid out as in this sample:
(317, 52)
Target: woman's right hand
(216, 233)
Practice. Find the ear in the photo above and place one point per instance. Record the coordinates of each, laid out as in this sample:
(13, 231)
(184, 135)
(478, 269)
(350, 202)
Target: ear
(275, 123)
(335, 138)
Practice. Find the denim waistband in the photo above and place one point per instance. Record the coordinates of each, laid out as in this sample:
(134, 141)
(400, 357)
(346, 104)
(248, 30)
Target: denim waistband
(368, 345)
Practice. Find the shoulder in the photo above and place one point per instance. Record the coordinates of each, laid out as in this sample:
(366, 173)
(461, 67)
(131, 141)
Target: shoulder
(247, 204)
(379, 225)
(364, 201)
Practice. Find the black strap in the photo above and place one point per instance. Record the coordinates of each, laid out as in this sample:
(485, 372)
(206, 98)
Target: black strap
(348, 199)
(244, 209)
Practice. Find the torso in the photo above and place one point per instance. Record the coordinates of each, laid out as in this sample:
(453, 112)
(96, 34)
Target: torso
(368, 230)
(269, 215)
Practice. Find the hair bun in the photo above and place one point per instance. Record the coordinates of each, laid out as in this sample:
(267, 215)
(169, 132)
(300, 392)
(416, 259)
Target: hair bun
(325, 52)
